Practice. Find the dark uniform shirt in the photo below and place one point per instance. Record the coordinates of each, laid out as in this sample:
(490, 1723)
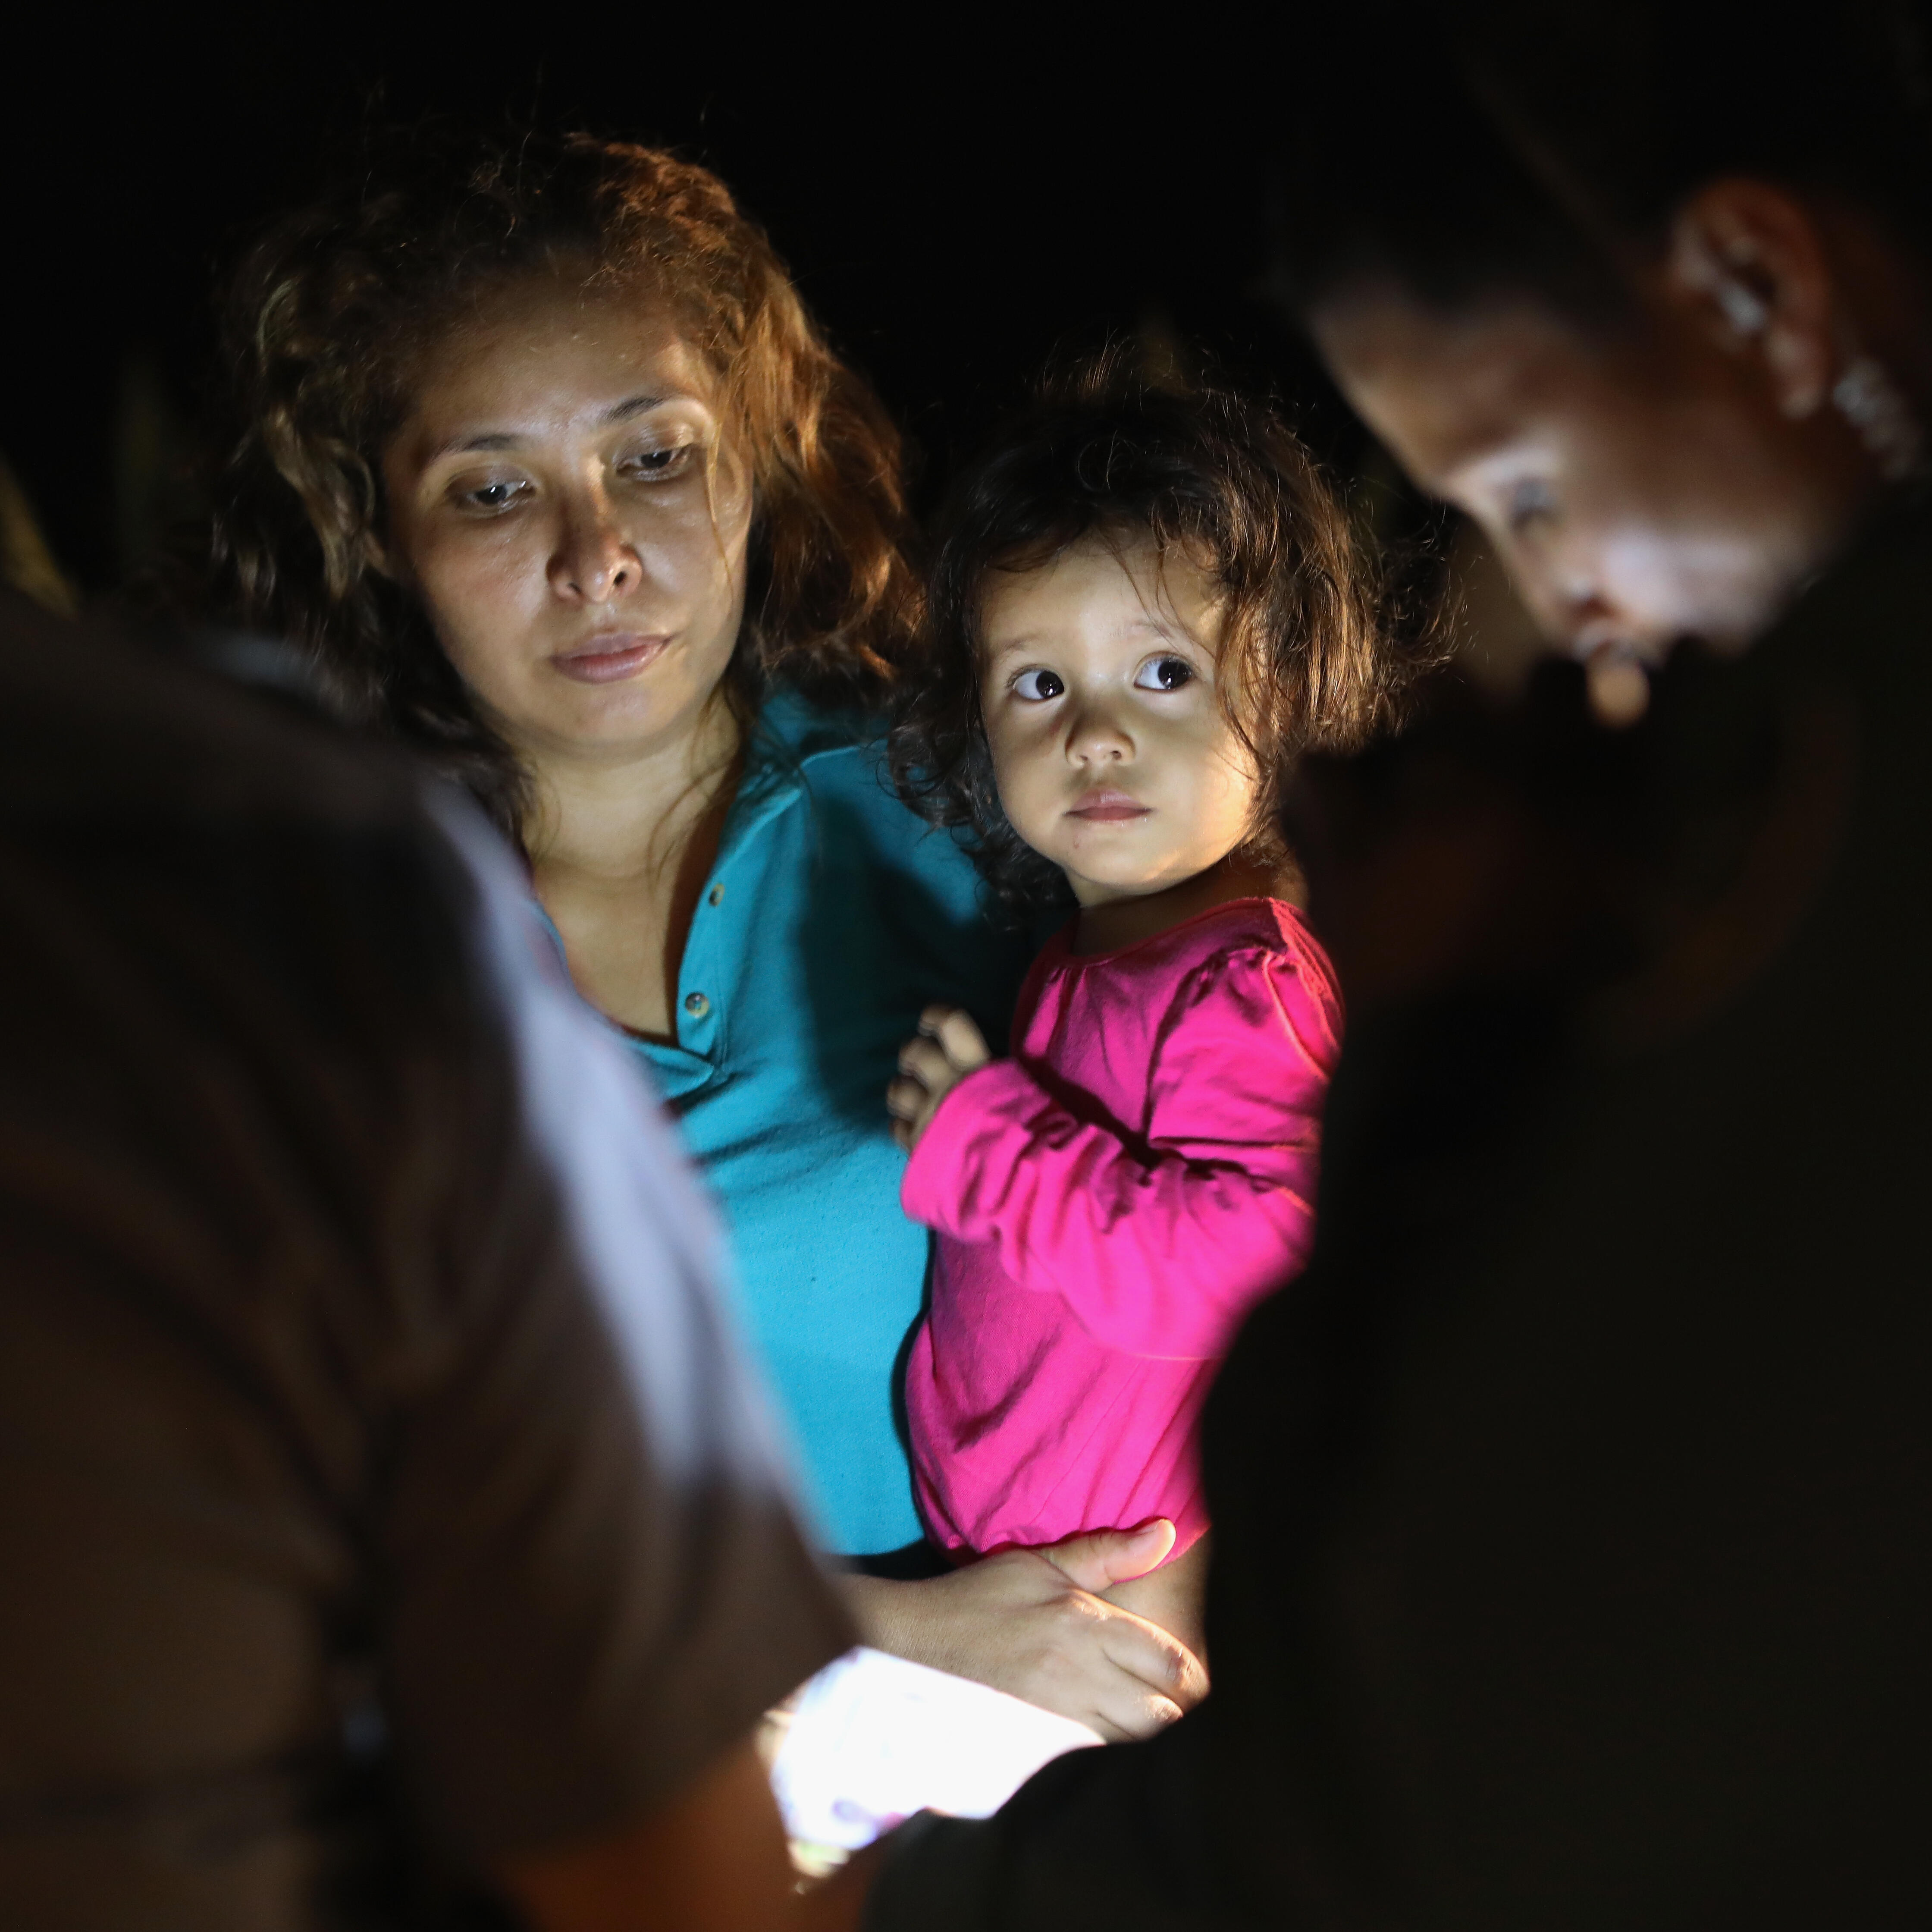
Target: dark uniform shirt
(1574, 1513)
(380, 1493)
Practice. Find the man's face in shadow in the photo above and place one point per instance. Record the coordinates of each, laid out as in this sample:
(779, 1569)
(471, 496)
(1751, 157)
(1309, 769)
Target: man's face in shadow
(1677, 471)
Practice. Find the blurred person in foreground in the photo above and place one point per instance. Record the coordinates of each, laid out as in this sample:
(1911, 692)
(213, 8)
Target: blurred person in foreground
(1572, 1566)
(390, 1530)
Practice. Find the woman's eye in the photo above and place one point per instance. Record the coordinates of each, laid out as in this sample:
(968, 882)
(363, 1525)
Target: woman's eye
(1036, 686)
(497, 494)
(655, 466)
(1164, 674)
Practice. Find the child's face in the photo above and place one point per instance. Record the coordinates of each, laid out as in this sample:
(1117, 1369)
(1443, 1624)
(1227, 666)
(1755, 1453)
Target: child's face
(1111, 740)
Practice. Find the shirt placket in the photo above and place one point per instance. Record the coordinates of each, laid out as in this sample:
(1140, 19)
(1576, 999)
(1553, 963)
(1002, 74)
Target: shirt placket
(720, 928)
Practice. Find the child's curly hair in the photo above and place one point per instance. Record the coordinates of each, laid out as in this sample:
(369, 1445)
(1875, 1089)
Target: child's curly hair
(329, 318)
(1212, 473)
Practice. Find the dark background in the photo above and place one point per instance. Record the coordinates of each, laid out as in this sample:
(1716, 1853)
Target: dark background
(958, 201)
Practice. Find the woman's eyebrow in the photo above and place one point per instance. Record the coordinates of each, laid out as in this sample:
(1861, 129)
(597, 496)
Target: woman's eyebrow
(638, 405)
(503, 438)
(470, 445)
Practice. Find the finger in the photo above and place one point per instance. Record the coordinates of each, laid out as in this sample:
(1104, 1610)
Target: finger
(1123, 1716)
(965, 1045)
(902, 1134)
(1101, 1558)
(934, 1018)
(925, 1061)
(904, 1098)
(1161, 1665)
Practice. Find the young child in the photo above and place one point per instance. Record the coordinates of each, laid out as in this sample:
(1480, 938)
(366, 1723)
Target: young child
(1144, 607)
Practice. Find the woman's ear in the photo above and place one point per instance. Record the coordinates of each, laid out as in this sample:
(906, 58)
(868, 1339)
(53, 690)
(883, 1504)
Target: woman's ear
(1749, 258)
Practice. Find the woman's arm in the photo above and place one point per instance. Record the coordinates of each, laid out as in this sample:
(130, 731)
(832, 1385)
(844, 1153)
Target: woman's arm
(1028, 1621)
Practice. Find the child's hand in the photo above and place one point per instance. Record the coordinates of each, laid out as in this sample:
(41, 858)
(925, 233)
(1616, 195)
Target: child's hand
(948, 1048)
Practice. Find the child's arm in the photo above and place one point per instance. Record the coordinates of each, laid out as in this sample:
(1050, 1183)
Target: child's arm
(1161, 1246)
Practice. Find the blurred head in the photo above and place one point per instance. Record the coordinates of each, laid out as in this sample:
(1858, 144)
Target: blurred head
(1639, 289)
(1144, 607)
(540, 454)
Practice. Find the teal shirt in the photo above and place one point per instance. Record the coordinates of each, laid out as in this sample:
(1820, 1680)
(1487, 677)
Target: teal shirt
(832, 916)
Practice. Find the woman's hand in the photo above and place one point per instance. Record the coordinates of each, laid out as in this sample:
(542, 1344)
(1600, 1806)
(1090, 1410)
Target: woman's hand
(948, 1046)
(1027, 1621)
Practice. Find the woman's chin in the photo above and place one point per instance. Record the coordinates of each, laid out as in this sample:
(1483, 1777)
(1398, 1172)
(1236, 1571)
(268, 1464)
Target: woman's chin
(607, 720)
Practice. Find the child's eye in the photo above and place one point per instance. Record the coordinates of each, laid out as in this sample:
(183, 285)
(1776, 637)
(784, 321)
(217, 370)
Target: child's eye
(1163, 674)
(1036, 686)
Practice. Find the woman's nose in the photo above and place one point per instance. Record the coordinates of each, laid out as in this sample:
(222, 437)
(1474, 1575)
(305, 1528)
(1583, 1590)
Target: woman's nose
(595, 562)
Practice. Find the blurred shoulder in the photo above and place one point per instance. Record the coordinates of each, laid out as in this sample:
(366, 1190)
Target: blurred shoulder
(209, 838)
(94, 725)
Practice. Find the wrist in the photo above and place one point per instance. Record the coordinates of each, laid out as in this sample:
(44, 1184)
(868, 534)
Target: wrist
(945, 1153)
(870, 1600)
(887, 1611)
(933, 1104)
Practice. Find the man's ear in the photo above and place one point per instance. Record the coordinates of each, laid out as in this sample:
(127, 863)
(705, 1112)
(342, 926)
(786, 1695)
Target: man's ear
(1750, 258)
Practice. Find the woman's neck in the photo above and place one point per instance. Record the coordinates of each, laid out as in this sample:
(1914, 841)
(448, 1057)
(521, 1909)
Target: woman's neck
(619, 847)
(1112, 923)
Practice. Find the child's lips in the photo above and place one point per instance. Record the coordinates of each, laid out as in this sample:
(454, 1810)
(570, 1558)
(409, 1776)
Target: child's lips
(1107, 807)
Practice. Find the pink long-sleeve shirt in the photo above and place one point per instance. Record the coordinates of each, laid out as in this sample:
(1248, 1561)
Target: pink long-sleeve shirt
(1110, 1202)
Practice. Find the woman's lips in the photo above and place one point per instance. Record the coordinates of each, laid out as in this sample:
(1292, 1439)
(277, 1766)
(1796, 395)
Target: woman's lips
(609, 657)
(1107, 808)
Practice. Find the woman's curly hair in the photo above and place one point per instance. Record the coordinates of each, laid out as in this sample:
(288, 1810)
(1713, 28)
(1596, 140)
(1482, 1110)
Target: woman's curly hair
(1211, 474)
(329, 319)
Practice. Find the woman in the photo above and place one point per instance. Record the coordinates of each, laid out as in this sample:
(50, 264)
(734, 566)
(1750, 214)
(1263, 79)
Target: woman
(542, 458)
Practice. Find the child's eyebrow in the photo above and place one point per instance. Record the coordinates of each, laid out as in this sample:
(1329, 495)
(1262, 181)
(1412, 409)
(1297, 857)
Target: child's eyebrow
(1006, 647)
(1146, 626)
(1172, 632)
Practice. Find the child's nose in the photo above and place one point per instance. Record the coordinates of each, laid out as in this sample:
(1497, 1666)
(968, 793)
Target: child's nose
(1094, 736)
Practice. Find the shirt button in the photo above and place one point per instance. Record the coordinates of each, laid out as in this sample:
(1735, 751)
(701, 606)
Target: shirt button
(716, 895)
(697, 1005)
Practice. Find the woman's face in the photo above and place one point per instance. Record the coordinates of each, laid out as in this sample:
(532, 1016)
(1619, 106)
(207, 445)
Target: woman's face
(561, 498)
(1638, 491)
